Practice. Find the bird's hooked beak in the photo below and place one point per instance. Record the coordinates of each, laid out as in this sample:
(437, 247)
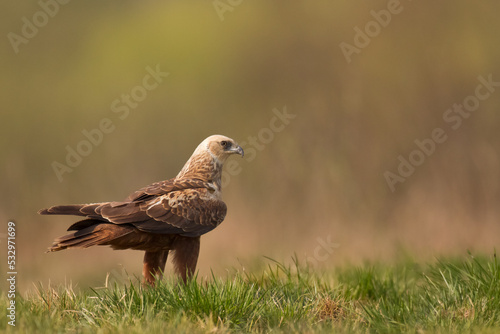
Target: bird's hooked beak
(238, 150)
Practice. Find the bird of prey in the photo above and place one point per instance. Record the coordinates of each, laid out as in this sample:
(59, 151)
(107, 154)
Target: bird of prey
(165, 216)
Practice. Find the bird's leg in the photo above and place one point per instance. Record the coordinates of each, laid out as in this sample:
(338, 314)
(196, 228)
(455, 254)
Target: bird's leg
(186, 252)
(154, 266)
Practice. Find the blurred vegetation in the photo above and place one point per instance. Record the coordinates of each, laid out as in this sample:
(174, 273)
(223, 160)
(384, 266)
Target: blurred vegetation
(323, 175)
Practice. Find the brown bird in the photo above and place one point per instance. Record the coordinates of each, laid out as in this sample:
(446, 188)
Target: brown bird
(165, 216)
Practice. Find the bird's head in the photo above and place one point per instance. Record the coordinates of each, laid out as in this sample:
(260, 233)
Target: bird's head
(208, 158)
(219, 147)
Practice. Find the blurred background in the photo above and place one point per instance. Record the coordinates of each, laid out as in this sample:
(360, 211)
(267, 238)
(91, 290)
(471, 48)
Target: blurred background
(355, 84)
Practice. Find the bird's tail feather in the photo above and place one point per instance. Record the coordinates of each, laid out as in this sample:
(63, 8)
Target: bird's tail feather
(88, 233)
(89, 210)
(73, 209)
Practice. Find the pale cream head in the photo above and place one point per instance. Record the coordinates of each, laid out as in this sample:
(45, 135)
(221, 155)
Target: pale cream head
(219, 147)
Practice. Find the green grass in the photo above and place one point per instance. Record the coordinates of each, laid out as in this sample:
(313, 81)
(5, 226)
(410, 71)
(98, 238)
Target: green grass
(450, 295)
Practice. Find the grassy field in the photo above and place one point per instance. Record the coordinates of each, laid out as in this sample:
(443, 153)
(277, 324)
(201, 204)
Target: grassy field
(449, 295)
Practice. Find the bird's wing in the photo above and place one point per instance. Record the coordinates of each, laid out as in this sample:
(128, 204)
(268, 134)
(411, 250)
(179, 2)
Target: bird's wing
(178, 206)
(187, 212)
(164, 187)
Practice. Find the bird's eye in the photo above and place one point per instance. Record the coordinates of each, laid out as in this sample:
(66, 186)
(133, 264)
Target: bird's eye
(225, 144)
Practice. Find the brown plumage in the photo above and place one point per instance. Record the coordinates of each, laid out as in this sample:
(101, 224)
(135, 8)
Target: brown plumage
(165, 216)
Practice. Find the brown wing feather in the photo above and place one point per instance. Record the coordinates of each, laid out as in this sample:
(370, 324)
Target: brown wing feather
(86, 210)
(189, 212)
(175, 206)
(164, 187)
(90, 234)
